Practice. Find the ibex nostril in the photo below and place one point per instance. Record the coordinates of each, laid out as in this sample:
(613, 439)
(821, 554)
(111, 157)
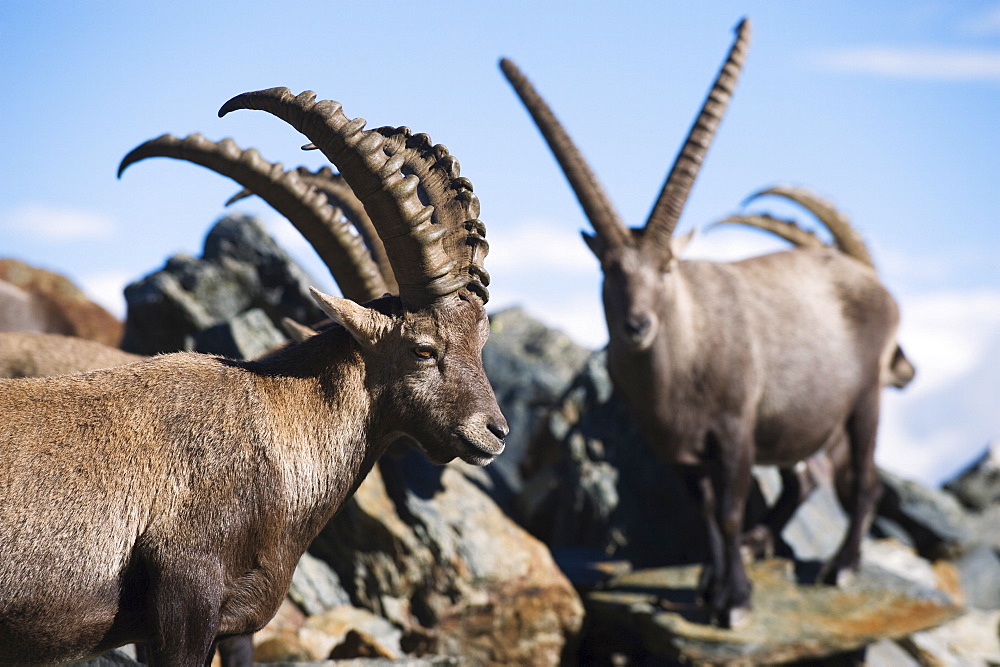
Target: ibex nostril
(499, 431)
(636, 326)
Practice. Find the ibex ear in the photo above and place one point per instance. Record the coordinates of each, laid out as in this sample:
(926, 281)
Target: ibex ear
(366, 325)
(297, 332)
(595, 243)
(679, 243)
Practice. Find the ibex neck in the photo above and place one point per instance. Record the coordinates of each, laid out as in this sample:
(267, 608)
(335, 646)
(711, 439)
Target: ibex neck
(320, 408)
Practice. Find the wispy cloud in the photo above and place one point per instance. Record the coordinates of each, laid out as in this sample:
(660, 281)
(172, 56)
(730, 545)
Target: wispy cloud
(50, 223)
(915, 64)
(985, 23)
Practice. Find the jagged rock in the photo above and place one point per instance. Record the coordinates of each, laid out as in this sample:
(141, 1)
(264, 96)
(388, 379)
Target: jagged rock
(530, 366)
(790, 621)
(244, 336)
(592, 484)
(241, 268)
(978, 486)
(53, 303)
(316, 588)
(428, 550)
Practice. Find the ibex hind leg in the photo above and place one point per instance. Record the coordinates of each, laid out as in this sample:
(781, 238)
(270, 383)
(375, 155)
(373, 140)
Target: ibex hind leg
(184, 607)
(858, 488)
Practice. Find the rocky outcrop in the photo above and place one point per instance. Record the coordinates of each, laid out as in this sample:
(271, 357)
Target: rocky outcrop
(35, 299)
(241, 270)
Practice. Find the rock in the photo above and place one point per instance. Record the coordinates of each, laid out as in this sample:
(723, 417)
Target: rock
(241, 268)
(110, 659)
(53, 303)
(245, 336)
(425, 548)
(970, 639)
(790, 621)
(529, 366)
(979, 573)
(316, 588)
(978, 486)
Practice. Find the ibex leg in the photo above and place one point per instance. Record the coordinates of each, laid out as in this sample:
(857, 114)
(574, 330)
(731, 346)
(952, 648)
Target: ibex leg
(857, 486)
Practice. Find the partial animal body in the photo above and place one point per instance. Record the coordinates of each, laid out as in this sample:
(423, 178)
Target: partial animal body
(166, 502)
(766, 360)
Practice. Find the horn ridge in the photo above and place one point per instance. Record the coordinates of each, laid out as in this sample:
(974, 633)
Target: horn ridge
(674, 194)
(596, 204)
(416, 212)
(309, 209)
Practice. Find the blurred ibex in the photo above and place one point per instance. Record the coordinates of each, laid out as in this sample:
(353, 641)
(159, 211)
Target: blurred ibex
(724, 364)
(168, 501)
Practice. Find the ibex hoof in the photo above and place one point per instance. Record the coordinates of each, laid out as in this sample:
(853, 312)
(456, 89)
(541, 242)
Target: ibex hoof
(734, 619)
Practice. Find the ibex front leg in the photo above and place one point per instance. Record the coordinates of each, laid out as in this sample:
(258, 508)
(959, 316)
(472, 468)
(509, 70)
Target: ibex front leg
(185, 599)
(720, 489)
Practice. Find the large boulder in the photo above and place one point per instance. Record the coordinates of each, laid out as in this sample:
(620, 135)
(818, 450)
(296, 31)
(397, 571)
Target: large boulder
(424, 547)
(241, 269)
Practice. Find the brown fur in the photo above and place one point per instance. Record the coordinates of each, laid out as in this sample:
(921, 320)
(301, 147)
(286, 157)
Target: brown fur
(32, 355)
(178, 493)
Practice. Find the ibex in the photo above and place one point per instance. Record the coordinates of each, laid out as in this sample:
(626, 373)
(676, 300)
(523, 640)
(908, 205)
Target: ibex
(26, 354)
(724, 364)
(167, 502)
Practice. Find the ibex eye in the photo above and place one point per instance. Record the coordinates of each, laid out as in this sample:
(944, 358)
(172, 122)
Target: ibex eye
(425, 352)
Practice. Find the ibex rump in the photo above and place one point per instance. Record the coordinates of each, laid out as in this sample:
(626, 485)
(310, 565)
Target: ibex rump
(167, 502)
(724, 364)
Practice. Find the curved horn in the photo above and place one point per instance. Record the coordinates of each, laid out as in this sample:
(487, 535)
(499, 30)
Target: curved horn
(339, 194)
(667, 210)
(324, 226)
(786, 229)
(847, 239)
(591, 195)
(436, 250)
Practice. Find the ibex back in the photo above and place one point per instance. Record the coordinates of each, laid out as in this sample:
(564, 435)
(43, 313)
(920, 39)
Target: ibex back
(722, 365)
(168, 501)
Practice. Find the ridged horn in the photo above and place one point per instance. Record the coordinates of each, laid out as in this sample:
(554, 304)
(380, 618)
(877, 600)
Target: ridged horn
(436, 250)
(846, 238)
(339, 194)
(674, 194)
(786, 229)
(595, 202)
(323, 226)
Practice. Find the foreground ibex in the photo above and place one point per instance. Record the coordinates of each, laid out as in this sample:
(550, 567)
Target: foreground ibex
(167, 502)
(725, 364)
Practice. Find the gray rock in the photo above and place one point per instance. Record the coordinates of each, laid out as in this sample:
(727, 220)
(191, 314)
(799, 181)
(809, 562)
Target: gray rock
(529, 366)
(979, 574)
(316, 588)
(241, 268)
(245, 336)
(978, 486)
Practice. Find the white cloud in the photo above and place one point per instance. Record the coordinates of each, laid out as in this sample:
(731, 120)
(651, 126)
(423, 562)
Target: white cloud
(51, 223)
(918, 64)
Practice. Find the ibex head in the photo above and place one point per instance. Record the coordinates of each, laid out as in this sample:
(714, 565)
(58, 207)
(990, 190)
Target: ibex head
(424, 347)
(637, 263)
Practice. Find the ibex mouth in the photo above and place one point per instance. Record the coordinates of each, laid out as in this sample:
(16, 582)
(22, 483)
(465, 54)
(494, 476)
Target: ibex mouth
(478, 448)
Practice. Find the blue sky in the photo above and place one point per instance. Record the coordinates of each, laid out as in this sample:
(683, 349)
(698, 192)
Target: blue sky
(889, 109)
